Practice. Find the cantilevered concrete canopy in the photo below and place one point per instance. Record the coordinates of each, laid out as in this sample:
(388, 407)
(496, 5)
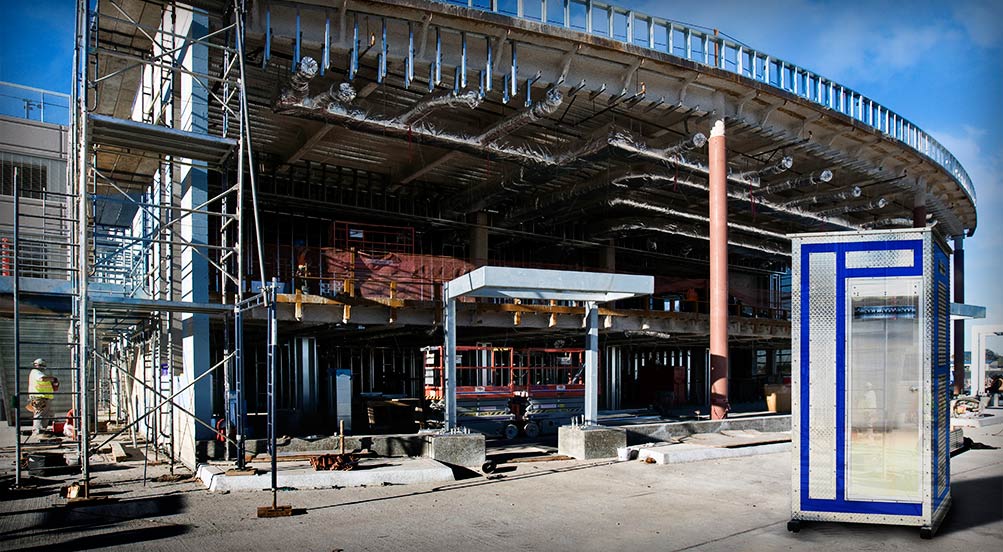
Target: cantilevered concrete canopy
(526, 283)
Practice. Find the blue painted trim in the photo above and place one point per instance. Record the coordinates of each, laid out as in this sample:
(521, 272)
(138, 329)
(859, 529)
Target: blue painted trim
(941, 456)
(840, 504)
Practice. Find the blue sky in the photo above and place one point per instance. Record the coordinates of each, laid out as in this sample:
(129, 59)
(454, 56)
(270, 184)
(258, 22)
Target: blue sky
(940, 64)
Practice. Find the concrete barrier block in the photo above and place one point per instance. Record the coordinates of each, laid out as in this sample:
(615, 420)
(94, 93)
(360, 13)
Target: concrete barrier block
(590, 443)
(461, 449)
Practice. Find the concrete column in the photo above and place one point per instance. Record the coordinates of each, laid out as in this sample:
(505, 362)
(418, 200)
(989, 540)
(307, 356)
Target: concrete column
(479, 240)
(919, 204)
(449, 360)
(194, 269)
(607, 261)
(591, 363)
(718, 272)
(959, 325)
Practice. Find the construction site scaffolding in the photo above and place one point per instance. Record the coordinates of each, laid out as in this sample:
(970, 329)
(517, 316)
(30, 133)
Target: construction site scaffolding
(123, 277)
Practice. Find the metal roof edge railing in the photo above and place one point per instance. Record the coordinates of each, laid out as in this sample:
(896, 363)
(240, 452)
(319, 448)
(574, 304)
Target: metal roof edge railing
(26, 102)
(713, 49)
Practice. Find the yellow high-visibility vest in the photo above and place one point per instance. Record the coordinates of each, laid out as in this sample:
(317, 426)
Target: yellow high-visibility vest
(39, 387)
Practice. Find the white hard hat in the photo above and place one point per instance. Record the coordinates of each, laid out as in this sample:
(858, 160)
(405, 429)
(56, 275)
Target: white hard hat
(39, 362)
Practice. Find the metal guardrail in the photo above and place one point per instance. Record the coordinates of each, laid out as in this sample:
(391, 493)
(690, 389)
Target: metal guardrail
(709, 47)
(34, 104)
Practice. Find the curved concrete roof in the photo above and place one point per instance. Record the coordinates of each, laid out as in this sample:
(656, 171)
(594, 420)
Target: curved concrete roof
(576, 134)
(622, 107)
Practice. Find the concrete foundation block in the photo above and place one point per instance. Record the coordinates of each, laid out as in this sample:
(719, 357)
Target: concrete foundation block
(681, 453)
(300, 475)
(591, 442)
(461, 449)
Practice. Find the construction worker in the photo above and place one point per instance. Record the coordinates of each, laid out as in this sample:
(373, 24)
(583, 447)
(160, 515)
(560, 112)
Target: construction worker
(41, 389)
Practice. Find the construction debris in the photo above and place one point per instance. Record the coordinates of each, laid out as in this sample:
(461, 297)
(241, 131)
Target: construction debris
(118, 452)
(339, 462)
(172, 478)
(274, 511)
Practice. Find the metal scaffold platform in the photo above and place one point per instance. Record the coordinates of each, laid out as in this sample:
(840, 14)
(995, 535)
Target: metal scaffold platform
(123, 248)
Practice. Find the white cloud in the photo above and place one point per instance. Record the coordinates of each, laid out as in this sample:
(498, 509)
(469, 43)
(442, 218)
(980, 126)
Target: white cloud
(984, 250)
(981, 20)
(847, 42)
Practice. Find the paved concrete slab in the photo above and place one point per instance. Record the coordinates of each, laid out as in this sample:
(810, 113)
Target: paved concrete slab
(725, 504)
(300, 475)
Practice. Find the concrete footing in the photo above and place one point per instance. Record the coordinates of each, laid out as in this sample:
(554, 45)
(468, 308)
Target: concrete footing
(299, 475)
(638, 434)
(676, 454)
(591, 442)
(404, 445)
(458, 449)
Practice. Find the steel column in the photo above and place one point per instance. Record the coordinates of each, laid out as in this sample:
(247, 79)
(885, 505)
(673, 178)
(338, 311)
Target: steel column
(81, 310)
(959, 325)
(718, 272)
(591, 363)
(239, 409)
(17, 332)
(919, 205)
(273, 335)
(449, 385)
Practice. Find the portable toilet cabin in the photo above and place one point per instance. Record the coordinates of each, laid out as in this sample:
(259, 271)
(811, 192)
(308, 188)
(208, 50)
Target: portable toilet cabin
(870, 366)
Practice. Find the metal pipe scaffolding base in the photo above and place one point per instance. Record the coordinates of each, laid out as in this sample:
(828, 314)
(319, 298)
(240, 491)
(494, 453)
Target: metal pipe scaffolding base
(273, 338)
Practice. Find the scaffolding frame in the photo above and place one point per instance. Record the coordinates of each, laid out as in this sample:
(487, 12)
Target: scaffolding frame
(123, 277)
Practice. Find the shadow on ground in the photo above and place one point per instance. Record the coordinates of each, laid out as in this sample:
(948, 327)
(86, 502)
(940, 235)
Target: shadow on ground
(117, 538)
(60, 525)
(974, 502)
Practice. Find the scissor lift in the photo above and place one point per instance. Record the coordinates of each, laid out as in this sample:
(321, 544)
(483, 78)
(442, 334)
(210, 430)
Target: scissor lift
(551, 384)
(484, 387)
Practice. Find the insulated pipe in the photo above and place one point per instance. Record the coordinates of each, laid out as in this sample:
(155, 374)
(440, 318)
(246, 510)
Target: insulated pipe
(856, 207)
(469, 98)
(741, 195)
(627, 143)
(959, 325)
(842, 195)
(891, 221)
(538, 110)
(646, 333)
(299, 82)
(698, 233)
(717, 163)
(691, 143)
(809, 179)
(342, 93)
(780, 166)
(627, 202)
